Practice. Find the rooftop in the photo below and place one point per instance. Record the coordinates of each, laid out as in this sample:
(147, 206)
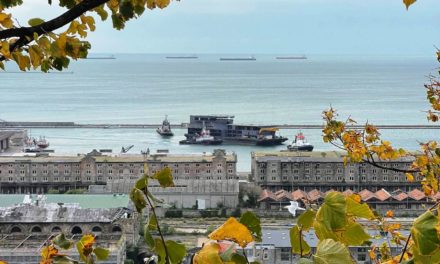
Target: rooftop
(85, 201)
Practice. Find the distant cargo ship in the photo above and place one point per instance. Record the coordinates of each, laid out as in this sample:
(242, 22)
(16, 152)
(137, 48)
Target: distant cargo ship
(111, 57)
(182, 57)
(221, 127)
(292, 58)
(252, 58)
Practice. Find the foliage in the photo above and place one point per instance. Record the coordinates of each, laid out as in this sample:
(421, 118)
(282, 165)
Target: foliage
(86, 248)
(76, 191)
(50, 45)
(174, 213)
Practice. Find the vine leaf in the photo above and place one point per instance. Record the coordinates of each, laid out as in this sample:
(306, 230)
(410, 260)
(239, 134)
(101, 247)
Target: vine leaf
(408, 3)
(252, 222)
(426, 239)
(137, 197)
(61, 241)
(164, 177)
(208, 254)
(305, 220)
(295, 237)
(332, 252)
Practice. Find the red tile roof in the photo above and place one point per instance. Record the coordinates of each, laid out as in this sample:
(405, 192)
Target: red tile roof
(266, 195)
(416, 194)
(282, 194)
(382, 194)
(366, 195)
(401, 196)
(314, 195)
(347, 192)
(299, 195)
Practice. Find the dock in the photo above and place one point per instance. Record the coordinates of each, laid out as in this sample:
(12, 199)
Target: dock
(18, 125)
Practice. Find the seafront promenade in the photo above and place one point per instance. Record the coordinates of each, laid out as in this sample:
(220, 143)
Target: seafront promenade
(6, 124)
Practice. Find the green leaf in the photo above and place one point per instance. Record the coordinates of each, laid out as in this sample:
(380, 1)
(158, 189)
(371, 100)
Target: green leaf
(149, 240)
(426, 239)
(164, 177)
(238, 259)
(101, 253)
(333, 211)
(355, 235)
(142, 182)
(159, 250)
(305, 220)
(358, 209)
(137, 197)
(227, 254)
(35, 22)
(252, 222)
(176, 251)
(332, 252)
(305, 261)
(61, 241)
(118, 21)
(152, 222)
(437, 151)
(296, 244)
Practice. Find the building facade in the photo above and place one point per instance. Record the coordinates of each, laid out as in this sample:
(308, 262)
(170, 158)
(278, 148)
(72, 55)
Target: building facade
(209, 176)
(25, 228)
(325, 171)
(4, 140)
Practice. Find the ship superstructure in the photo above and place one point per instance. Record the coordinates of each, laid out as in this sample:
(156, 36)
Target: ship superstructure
(223, 127)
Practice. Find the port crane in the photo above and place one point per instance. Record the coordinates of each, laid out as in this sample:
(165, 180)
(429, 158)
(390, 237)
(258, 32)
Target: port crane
(126, 149)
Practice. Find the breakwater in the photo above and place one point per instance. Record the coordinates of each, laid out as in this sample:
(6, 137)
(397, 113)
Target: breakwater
(6, 124)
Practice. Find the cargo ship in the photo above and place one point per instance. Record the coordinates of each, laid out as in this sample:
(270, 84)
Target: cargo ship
(182, 57)
(222, 127)
(302, 57)
(251, 58)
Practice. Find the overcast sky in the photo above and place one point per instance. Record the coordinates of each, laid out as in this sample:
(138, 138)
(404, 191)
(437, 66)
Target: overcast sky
(369, 27)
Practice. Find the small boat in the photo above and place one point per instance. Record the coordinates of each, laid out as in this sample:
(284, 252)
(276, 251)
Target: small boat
(165, 129)
(302, 57)
(42, 143)
(204, 138)
(300, 144)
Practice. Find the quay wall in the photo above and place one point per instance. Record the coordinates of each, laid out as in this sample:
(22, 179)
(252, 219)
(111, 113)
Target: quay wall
(6, 124)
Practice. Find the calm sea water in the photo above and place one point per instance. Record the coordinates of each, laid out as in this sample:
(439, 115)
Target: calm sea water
(143, 88)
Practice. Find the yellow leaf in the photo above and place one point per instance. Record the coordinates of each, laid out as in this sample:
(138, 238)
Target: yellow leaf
(390, 213)
(409, 177)
(233, 230)
(5, 49)
(5, 20)
(47, 253)
(408, 3)
(162, 3)
(208, 254)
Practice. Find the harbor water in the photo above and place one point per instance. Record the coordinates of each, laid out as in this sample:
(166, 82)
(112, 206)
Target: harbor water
(144, 88)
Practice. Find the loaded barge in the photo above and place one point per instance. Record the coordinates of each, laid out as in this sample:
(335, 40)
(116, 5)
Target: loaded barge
(222, 127)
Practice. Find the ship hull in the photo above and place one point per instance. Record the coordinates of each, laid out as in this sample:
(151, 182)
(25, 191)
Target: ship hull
(164, 133)
(270, 142)
(206, 142)
(300, 148)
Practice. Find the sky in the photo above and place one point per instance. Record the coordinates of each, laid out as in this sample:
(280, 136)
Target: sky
(332, 27)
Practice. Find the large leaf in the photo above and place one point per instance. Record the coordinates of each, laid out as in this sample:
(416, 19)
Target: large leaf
(84, 246)
(333, 211)
(425, 236)
(298, 243)
(357, 209)
(138, 199)
(305, 220)
(164, 177)
(152, 222)
(354, 234)
(332, 252)
(252, 222)
(208, 254)
(101, 253)
(234, 231)
(142, 182)
(149, 240)
(61, 241)
(176, 251)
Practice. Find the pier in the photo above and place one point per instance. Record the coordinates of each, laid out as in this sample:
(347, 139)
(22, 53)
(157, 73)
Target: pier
(9, 125)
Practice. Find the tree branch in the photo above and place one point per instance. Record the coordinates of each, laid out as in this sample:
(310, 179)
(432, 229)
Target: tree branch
(25, 33)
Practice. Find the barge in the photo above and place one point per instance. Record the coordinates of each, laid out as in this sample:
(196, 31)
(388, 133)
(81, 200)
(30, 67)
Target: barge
(222, 127)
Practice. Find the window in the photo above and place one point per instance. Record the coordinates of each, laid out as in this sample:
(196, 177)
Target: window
(76, 230)
(116, 229)
(36, 229)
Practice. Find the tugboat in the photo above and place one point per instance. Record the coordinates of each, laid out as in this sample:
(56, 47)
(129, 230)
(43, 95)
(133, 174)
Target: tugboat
(204, 138)
(300, 144)
(165, 129)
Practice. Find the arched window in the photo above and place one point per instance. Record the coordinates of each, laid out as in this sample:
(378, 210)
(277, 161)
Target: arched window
(76, 230)
(116, 229)
(56, 229)
(16, 229)
(36, 229)
(96, 229)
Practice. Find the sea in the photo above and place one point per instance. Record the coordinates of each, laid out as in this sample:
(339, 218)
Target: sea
(143, 88)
